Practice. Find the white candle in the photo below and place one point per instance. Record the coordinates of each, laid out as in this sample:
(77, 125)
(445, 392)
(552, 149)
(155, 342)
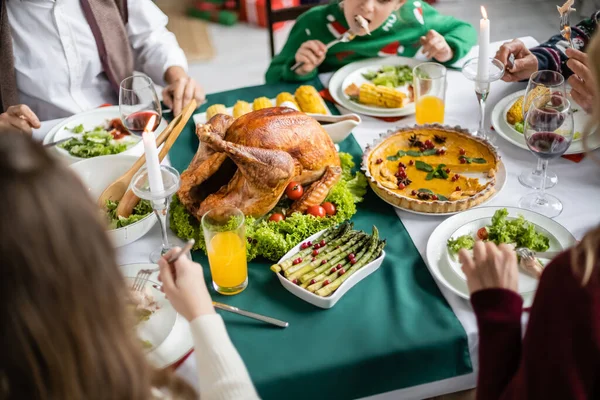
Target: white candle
(152, 161)
(483, 64)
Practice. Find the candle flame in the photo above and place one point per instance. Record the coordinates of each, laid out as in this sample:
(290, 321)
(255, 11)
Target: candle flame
(150, 125)
(483, 12)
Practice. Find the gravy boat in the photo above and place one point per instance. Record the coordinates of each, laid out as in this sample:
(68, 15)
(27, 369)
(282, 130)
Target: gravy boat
(338, 126)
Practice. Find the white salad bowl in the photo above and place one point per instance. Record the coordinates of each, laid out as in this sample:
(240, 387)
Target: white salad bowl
(99, 172)
(329, 301)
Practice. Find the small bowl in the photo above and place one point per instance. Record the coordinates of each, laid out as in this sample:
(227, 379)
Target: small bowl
(99, 172)
(330, 301)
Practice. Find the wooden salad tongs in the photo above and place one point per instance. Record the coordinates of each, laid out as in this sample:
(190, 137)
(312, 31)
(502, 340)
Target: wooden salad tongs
(118, 190)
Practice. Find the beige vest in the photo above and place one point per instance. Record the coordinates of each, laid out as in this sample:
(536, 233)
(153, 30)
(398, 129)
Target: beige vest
(107, 19)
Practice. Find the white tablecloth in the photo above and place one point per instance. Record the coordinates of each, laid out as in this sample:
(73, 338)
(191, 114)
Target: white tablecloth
(578, 188)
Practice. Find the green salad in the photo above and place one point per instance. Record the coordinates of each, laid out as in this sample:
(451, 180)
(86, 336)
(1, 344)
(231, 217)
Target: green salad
(391, 76)
(94, 143)
(143, 208)
(517, 231)
(272, 240)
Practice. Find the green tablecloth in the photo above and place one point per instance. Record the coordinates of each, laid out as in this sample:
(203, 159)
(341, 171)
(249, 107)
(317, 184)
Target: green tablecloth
(392, 330)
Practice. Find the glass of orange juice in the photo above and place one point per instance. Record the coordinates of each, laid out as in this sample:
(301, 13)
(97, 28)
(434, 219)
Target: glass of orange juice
(225, 236)
(429, 82)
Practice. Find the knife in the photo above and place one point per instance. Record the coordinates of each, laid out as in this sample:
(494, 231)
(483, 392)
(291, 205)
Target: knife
(235, 310)
(57, 142)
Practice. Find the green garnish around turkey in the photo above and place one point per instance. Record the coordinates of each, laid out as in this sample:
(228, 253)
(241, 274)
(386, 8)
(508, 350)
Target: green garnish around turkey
(322, 265)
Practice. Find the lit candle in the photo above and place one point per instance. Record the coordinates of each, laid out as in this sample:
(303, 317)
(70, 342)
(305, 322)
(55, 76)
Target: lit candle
(152, 161)
(483, 64)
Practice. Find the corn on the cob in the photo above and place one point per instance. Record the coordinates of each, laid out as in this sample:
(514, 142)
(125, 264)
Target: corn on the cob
(515, 112)
(241, 108)
(261, 102)
(540, 94)
(381, 96)
(214, 110)
(285, 96)
(309, 100)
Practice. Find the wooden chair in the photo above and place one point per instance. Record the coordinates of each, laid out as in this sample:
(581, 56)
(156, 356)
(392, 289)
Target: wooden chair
(282, 15)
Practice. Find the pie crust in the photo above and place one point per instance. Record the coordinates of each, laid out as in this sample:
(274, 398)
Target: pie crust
(457, 195)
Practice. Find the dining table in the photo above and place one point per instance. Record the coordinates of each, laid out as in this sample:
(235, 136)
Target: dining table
(399, 334)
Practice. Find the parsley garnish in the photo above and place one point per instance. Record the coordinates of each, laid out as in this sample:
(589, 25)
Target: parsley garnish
(439, 173)
(470, 160)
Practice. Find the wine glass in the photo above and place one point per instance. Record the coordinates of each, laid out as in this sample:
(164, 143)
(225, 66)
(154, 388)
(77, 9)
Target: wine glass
(548, 131)
(138, 102)
(160, 201)
(540, 81)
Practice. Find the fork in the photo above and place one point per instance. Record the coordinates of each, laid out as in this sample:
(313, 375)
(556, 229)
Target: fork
(345, 38)
(565, 25)
(142, 276)
(526, 253)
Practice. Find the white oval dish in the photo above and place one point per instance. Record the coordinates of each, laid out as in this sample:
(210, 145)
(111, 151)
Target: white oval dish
(99, 172)
(330, 301)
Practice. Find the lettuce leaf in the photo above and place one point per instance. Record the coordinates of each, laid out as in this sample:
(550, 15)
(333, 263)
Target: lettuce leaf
(461, 242)
(140, 211)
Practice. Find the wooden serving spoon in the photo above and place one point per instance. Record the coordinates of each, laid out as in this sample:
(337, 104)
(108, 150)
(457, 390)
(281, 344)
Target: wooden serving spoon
(129, 200)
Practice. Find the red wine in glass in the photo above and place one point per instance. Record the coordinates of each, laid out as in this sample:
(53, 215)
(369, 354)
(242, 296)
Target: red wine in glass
(547, 145)
(136, 122)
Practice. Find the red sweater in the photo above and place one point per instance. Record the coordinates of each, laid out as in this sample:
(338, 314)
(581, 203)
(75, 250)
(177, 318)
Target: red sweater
(559, 358)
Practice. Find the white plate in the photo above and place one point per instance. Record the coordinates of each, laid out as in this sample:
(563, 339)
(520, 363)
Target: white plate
(330, 301)
(501, 177)
(91, 119)
(160, 324)
(508, 132)
(437, 252)
(336, 86)
(527, 283)
(178, 343)
(99, 172)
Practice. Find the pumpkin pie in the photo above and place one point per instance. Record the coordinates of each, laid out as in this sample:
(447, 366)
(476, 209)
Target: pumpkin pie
(431, 169)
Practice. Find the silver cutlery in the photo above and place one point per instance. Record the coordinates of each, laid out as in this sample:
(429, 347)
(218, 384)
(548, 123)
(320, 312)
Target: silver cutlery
(57, 142)
(235, 310)
(345, 38)
(142, 276)
(524, 252)
(565, 25)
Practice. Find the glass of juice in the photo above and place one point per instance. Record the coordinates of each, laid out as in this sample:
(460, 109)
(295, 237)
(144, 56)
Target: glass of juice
(225, 236)
(429, 82)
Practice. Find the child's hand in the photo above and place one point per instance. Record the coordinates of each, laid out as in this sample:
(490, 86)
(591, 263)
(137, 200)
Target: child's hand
(436, 47)
(311, 53)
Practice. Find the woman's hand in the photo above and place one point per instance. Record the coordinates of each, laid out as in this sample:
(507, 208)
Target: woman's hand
(490, 267)
(525, 62)
(436, 47)
(19, 118)
(312, 54)
(583, 88)
(180, 90)
(183, 284)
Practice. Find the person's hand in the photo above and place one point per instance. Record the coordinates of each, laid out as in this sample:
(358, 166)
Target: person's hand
(436, 47)
(183, 284)
(312, 54)
(525, 62)
(490, 267)
(19, 118)
(180, 90)
(583, 88)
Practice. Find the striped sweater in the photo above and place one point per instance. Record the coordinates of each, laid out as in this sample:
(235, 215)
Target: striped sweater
(551, 54)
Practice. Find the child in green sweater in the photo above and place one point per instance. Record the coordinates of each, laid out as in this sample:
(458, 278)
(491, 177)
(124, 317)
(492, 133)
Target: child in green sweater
(395, 27)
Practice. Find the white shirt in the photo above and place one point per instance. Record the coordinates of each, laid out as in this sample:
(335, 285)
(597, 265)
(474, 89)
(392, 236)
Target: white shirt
(57, 64)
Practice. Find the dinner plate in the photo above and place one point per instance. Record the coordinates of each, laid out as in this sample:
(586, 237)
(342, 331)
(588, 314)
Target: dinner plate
(179, 341)
(91, 119)
(508, 132)
(160, 323)
(501, 177)
(438, 260)
(339, 79)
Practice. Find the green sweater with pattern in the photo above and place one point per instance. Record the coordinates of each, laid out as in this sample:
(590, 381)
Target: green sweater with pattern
(399, 35)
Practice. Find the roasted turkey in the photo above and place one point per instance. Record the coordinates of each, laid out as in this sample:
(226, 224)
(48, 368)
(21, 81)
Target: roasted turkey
(248, 162)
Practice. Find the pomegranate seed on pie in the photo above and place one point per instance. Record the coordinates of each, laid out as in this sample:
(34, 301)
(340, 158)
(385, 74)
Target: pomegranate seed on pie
(434, 197)
(462, 152)
(411, 162)
(401, 186)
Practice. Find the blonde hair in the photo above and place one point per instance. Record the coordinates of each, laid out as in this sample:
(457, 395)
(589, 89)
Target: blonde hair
(584, 256)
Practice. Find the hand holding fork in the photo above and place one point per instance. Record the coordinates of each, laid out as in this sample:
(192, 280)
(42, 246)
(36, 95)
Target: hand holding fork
(311, 48)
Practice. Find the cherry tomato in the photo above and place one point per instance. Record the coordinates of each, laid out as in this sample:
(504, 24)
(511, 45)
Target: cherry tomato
(276, 217)
(482, 233)
(317, 211)
(329, 208)
(294, 190)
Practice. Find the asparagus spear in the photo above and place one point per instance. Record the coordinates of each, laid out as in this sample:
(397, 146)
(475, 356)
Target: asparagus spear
(335, 248)
(374, 249)
(330, 248)
(331, 276)
(328, 235)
